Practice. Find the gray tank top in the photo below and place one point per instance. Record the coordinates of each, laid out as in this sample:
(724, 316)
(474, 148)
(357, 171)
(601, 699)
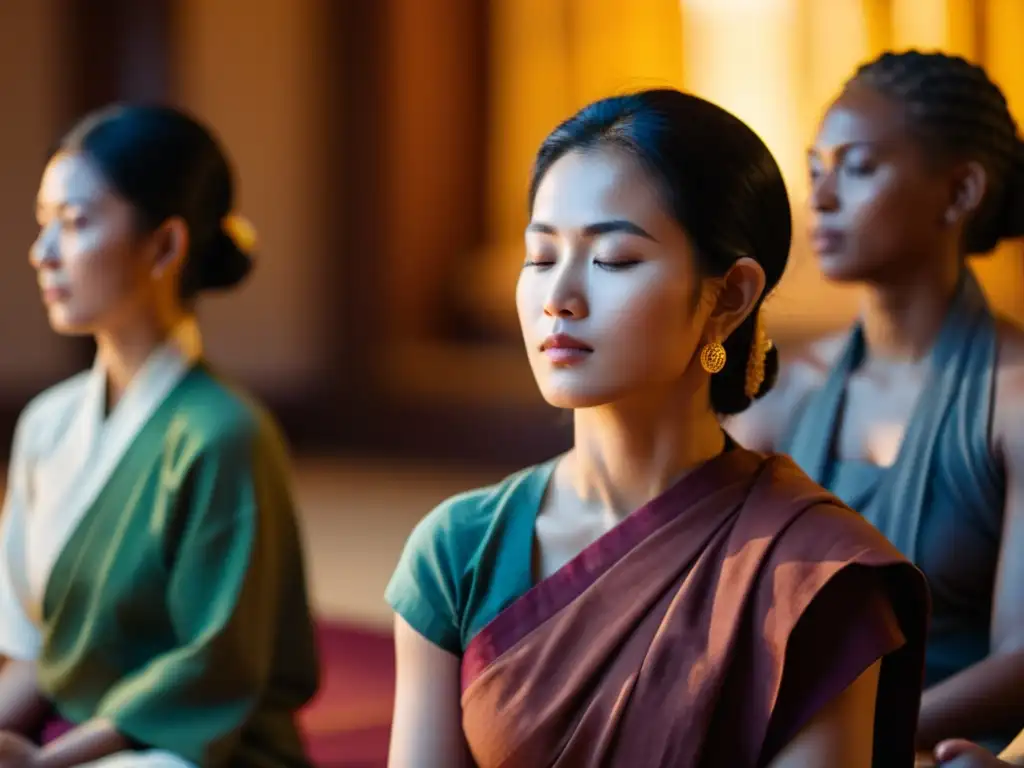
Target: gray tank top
(941, 502)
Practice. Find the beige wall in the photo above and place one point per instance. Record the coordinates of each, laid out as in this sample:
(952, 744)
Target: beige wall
(31, 356)
(252, 73)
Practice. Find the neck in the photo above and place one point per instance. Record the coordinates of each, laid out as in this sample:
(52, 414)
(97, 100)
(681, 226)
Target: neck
(901, 321)
(125, 349)
(627, 453)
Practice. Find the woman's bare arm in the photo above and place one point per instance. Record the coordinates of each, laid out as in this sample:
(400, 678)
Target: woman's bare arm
(426, 731)
(841, 734)
(22, 707)
(988, 696)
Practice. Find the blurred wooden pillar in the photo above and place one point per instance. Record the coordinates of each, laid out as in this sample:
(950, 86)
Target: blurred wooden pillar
(115, 50)
(406, 206)
(435, 133)
(352, 204)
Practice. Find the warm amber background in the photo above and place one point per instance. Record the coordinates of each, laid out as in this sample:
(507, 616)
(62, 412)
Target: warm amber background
(383, 148)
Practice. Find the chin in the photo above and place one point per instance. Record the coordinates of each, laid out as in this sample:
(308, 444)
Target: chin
(66, 323)
(577, 396)
(841, 269)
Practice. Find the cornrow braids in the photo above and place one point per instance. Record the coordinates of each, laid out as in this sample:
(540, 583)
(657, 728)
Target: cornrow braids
(953, 106)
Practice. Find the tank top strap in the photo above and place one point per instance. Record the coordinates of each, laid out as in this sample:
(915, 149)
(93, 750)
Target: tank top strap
(959, 394)
(961, 379)
(812, 434)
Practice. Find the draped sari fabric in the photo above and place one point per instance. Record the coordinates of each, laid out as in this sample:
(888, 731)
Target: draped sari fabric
(670, 641)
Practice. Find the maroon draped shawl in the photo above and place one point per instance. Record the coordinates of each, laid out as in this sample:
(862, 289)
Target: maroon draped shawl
(704, 630)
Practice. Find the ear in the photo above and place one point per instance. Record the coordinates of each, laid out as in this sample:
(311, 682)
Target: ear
(970, 182)
(740, 289)
(170, 246)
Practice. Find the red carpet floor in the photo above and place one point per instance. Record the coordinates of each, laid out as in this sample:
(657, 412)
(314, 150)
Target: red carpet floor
(347, 725)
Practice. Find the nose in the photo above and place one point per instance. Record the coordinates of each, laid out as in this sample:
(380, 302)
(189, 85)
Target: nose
(824, 195)
(567, 295)
(43, 251)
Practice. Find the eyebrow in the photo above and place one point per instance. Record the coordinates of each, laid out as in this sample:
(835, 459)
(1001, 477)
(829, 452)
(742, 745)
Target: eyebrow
(597, 229)
(71, 202)
(842, 149)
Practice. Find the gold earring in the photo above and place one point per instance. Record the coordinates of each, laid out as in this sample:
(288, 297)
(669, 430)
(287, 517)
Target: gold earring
(712, 357)
(755, 365)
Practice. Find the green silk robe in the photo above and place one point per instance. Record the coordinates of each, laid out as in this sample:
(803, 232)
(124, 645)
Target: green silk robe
(176, 605)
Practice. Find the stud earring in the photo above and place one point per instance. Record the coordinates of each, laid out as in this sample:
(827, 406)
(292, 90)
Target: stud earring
(712, 357)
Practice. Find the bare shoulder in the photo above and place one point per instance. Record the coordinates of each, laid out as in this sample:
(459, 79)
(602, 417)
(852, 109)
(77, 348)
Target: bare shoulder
(1010, 336)
(803, 369)
(1008, 406)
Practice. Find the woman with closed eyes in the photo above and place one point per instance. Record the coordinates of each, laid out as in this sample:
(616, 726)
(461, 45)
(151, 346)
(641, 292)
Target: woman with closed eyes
(658, 596)
(913, 416)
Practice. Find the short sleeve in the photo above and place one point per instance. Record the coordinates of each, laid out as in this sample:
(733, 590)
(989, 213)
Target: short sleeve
(424, 587)
(833, 597)
(835, 610)
(850, 625)
(19, 637)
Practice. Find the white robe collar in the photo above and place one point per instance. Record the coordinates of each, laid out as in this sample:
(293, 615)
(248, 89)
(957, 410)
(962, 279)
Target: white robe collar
(67, 479)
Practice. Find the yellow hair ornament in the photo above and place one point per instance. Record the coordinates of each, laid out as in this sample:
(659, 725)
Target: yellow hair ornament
(241, 230)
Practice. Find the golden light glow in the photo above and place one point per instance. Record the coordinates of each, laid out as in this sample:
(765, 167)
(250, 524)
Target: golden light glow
(946, 25)
(775, 63)
(757, 64)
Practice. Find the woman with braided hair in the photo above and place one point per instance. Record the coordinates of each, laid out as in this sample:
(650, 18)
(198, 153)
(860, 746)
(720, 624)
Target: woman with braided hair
(912, 418)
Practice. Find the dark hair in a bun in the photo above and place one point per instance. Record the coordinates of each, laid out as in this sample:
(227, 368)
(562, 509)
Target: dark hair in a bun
(226, 265)
(166, 163)
(956, 110)
(720, 183)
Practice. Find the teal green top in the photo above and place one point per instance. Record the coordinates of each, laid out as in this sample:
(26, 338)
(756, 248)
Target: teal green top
(469, 559)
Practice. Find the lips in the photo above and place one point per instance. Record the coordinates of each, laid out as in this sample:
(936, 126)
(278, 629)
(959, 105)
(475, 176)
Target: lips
(564, 350)
(565, 342)
(826, 240)
(54, 293)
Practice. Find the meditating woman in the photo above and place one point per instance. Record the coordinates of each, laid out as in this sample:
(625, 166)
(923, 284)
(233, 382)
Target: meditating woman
(913, 417)
(657, 596)
(152, 591)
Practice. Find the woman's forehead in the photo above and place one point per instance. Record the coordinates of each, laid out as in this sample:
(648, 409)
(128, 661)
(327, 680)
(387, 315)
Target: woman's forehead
(70, 178)
(581, 187)
(861, 115)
